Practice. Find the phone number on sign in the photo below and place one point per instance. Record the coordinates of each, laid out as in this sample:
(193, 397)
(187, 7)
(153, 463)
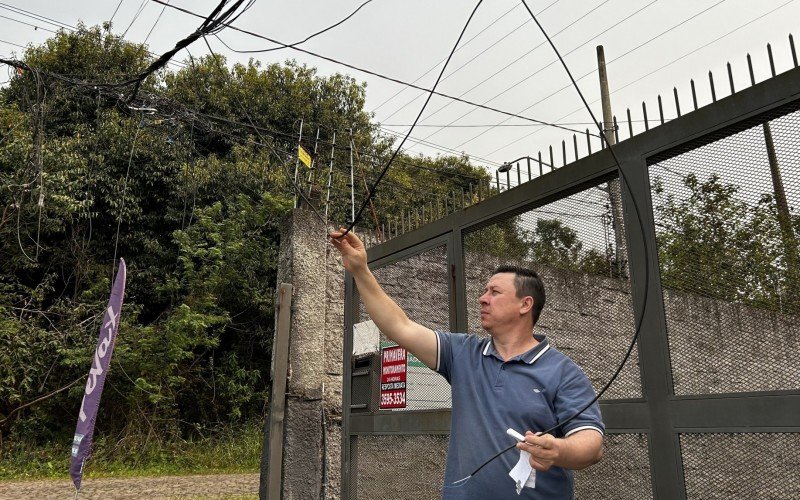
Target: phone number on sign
(393, 399)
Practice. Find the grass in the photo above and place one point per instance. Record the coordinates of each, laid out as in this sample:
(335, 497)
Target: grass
(232, 450)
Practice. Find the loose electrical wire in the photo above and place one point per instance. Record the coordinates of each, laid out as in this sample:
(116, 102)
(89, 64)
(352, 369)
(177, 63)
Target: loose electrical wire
(419, 115)
(373, 73)
(637, 211)
(304, 40)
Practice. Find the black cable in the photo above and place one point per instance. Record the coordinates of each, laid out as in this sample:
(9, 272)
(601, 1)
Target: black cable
(422, 110)
(155, 23)
(495, 73)
(640, 319)
(309, 37)
(608, 63)
(115, 12)
(373, 73)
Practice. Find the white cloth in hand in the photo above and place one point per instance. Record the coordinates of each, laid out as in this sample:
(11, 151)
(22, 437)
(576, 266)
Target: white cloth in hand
(523, 474)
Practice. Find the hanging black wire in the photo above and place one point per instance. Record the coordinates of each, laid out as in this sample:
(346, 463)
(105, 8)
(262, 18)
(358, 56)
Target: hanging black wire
(637, 211)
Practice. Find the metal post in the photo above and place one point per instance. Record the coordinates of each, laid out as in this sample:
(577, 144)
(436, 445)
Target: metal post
(694, 94)
(644, 112)
(272, 450)
(330, 176)
(541, 170)
(528, 159)
(313, 164)
(711, 84)
(614, 192)
(771, 60)
(352, 183)
(297, 161)
(519, 175)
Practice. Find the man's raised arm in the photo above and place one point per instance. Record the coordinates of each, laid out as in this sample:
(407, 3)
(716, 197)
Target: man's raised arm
(386, 314)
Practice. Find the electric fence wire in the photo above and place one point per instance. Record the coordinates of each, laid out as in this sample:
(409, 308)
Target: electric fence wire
(645, 246)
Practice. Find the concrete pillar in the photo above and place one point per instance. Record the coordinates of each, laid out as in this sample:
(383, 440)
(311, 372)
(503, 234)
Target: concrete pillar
(312, 438)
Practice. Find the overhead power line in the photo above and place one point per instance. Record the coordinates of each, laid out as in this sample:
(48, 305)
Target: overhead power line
(369, 72)
(593, 70)
(54, 23)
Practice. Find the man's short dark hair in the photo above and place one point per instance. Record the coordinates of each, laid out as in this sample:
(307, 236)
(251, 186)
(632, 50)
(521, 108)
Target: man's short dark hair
(527, 283)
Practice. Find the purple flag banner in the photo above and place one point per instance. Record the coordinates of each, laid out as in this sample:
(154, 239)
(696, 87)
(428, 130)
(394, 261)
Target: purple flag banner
(82, 442)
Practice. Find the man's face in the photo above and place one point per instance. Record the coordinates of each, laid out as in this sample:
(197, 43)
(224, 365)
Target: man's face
(500, 306)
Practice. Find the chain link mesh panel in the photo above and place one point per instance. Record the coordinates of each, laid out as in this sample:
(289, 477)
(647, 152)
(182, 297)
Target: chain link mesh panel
(407, 467)
(419, 285)
(727, 226)
(753, 465)
(571, 244)
(624, 471)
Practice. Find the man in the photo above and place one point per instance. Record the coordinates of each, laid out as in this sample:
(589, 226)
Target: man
(513, 379)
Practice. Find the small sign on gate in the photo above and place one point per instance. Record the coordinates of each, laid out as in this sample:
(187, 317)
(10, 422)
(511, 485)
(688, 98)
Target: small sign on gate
(394, 368)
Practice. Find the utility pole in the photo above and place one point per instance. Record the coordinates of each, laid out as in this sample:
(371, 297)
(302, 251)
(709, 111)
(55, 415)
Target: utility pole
(614, 192)
(788, 238)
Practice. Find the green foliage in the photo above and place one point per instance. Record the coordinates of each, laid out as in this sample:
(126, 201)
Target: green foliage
(714, 244)
(193, 204)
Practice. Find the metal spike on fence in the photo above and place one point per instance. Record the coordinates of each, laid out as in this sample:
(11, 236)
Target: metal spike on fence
(630, 122)
(563, 153)
(574, 144)
(616, 129)
(403, 221)
(480, 191)
(552, 163)
(730, 79)
(771, 60)
(519, 175)
(794, 52)
(644, 112)
(528, 159)
(677, 102)
(750, 69)
(711, 83)
(660, 110)
(694, 94)
(463, 201)
(497, 175)
(541, 171)
(471, 193)
(588, 146)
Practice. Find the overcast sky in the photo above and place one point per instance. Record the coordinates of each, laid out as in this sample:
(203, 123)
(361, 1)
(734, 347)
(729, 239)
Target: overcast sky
(651, 46)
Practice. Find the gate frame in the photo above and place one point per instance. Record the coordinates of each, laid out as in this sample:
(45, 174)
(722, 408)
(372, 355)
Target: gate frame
(659, 413)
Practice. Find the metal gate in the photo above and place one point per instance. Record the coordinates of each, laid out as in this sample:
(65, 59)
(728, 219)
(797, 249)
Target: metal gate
(709, 405)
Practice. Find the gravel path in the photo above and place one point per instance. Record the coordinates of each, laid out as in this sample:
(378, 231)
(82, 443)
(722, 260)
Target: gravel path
(238, 486)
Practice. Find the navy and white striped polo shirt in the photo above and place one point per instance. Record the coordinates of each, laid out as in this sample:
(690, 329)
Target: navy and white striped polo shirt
(533, 391)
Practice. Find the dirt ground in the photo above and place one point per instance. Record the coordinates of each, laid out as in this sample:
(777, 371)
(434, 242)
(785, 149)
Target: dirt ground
(228, 486)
